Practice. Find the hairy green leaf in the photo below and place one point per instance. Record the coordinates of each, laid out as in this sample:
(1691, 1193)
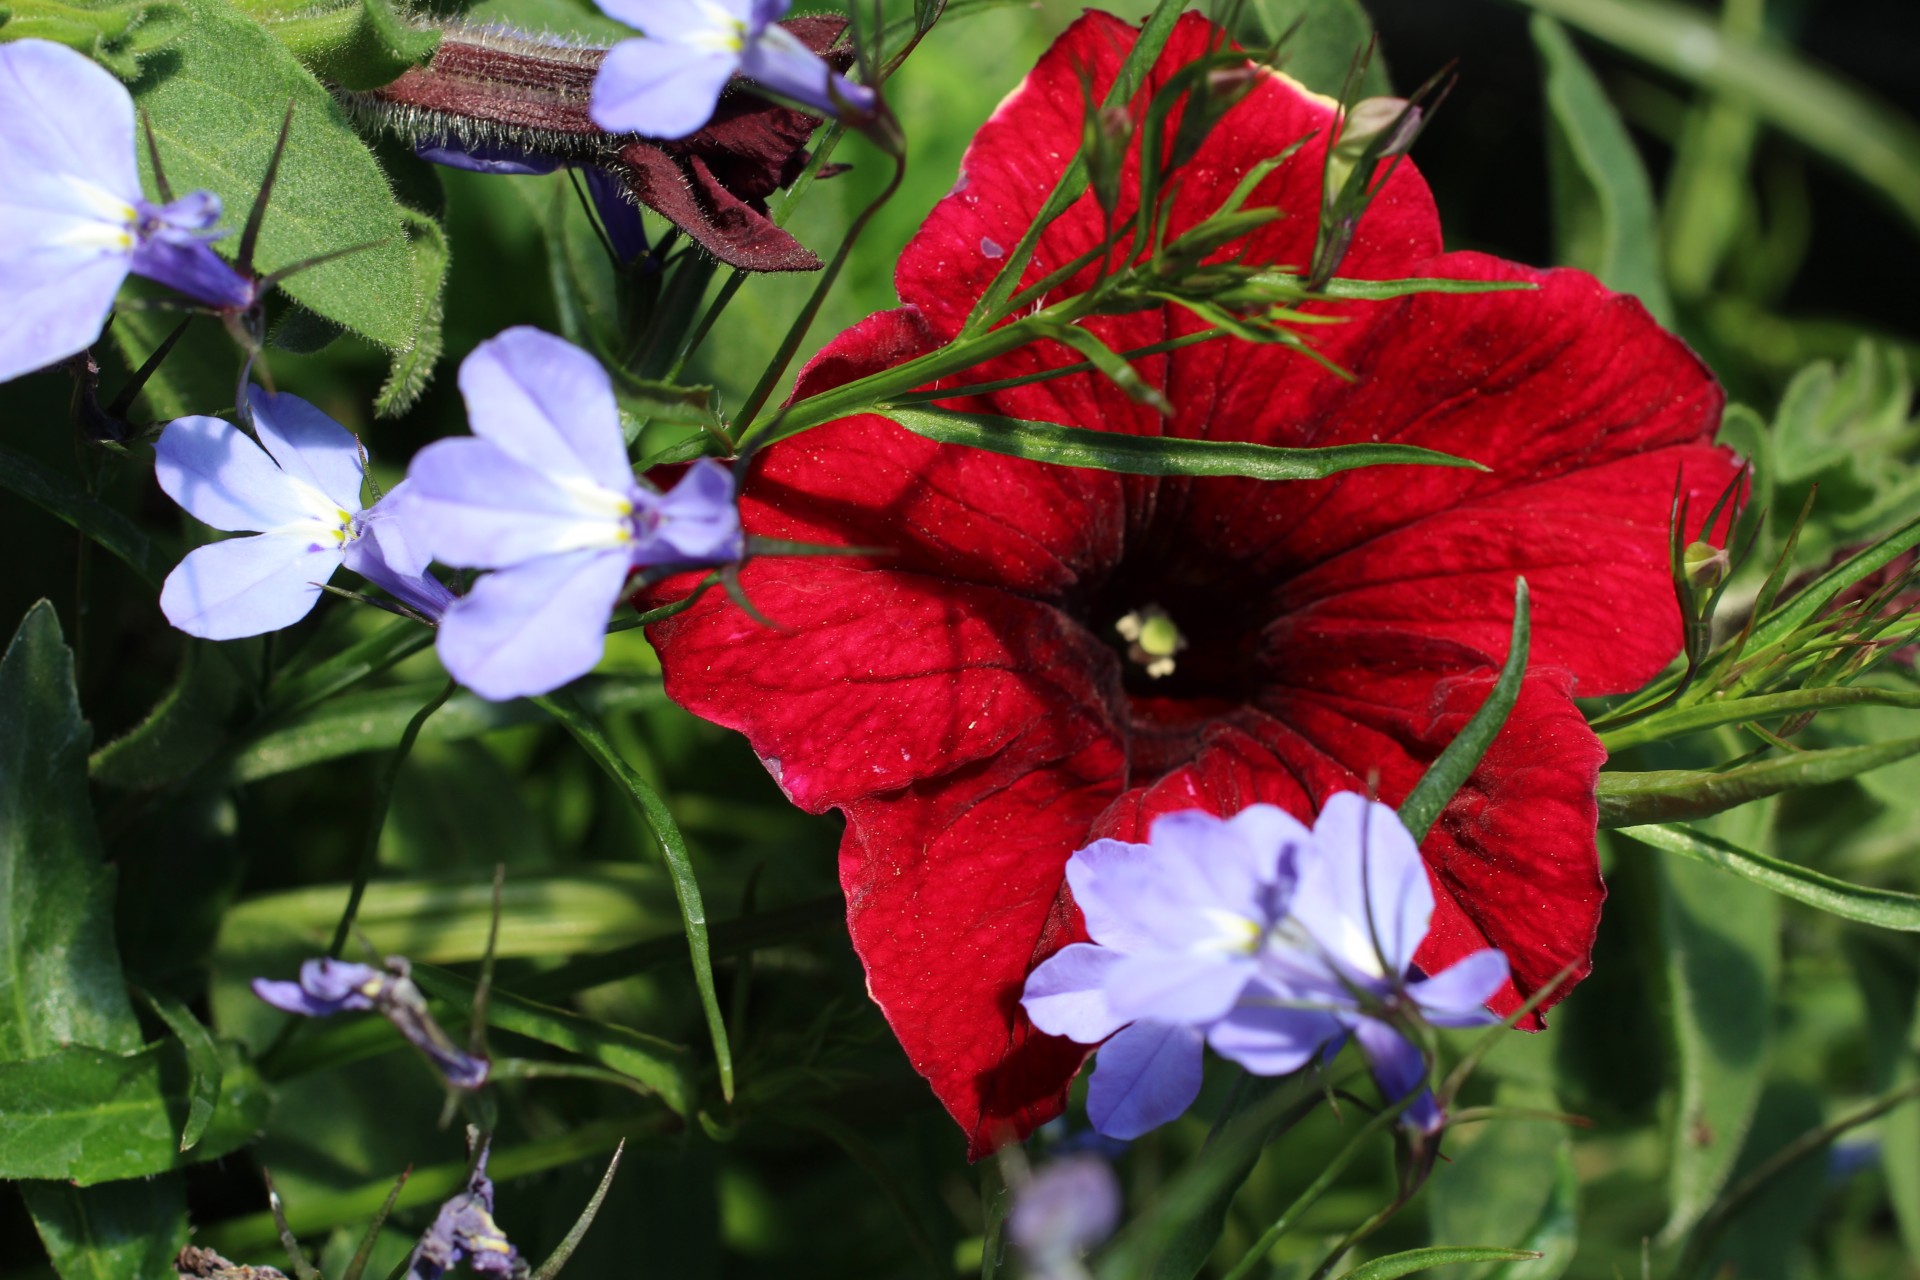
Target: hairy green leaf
(60, 980)
(356, 44)
(1412, 1260)
(217, 102)
(1602, 201)
(87, 1115)
(1885, 908)
(1152, 455)
(412, 367)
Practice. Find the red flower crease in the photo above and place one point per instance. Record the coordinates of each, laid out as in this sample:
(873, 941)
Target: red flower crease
(966, 702)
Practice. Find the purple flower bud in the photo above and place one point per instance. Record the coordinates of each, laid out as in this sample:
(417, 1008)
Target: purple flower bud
(464, 1231)
(328, 986)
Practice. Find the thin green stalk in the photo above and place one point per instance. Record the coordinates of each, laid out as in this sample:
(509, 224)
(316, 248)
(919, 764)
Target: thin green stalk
(673, 847)
(797, 331)
(382, 797)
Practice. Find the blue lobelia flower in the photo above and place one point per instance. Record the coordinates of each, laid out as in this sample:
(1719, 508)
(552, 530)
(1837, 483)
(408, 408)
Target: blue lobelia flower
(543, 495)
(666, 83)
(464, 1231)
(1179, 925)
(301, 494)
(1360, 910)
(1266, 941)
(73, 219)
(327, 986)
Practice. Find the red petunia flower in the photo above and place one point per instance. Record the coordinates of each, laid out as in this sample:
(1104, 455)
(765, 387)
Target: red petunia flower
(966, 702)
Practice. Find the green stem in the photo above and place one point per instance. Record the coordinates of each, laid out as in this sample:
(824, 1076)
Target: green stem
(686, 888)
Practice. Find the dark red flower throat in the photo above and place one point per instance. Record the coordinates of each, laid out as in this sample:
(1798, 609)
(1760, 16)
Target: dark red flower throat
(969, 702)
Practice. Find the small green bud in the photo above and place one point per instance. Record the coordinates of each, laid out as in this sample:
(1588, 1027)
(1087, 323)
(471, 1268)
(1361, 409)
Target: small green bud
(1366, 125)
(1705, 565)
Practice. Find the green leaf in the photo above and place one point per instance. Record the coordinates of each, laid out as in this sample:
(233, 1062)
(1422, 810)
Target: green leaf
(217, 102)
(1866, 135)
(1719, 941)
(65, 499)
(374, 721)
(1603, 211)
(356, 44)
(1451, 769)
(1320, 54)
(60, 980)
(565, 708)
(1407, 1263)
(113, 1232)
(1884, 908)
(88, 1115)
(1152, 455)
(659, 1064)
(1510, 1180)
(203, 1061)
(114, 35)
(1678, 795)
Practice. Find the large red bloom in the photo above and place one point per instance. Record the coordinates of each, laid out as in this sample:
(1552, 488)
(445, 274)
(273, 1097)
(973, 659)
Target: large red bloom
(963, 701)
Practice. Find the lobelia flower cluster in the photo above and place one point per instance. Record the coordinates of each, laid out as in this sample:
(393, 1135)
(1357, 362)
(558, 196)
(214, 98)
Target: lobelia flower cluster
(1267, 941)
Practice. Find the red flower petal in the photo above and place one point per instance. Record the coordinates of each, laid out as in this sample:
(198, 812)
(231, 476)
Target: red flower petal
(958, 697)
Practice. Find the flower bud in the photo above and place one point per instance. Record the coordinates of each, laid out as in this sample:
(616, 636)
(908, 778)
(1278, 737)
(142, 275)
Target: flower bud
(1385, 126)
(1705, 565)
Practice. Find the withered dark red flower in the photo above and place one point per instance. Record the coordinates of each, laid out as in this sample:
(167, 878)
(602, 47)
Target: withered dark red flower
(491, 89)
(967, 704)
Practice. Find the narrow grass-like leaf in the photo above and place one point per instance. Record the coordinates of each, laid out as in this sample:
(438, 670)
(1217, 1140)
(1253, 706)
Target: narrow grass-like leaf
(1407, 1263)
(1816, 595)
(321, 1211)
(394, 642)
(203, 1060)
(1872, 138)
(565, 708)
(1678, 795)
(1602, 202)
(1884, 908)
(1710, 715)
(1451, 769)
(1153, 455)
(64, 499)
(578, 1232)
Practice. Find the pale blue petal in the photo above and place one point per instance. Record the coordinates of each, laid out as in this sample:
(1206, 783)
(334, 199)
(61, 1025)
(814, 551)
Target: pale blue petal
(1398, 1068)
(56, 302)
(764, 13)
(1270, 1039)
(308, 444)
(473, 506)
(195, 271)
(777, 60)
(1108, 878)
(225, 480)
(532, 628)
(678, 20)
(658, 89)
(61, 112)
(246, 586)
(549, 404)
(1367, 904)
(1179, 986)
(1064, 995)
(420, 591)
(1144, 1077)
(1457, 996)
(390, 523)
(697, 521)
